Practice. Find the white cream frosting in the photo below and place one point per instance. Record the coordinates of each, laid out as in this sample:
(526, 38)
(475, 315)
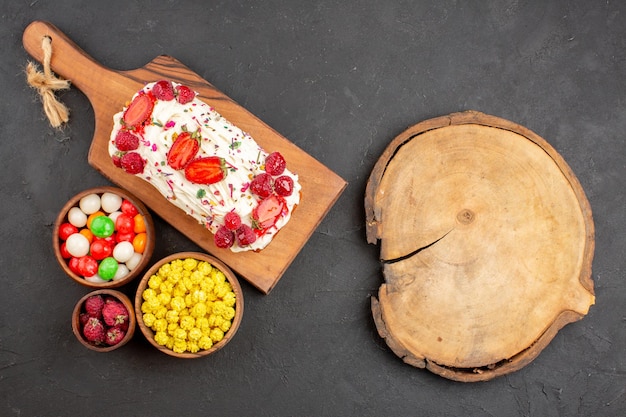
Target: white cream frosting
(206, 203)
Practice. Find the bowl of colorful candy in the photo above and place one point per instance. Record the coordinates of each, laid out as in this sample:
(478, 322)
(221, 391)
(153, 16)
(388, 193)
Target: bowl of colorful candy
(189, 305)
(104, 320)
(103, 237)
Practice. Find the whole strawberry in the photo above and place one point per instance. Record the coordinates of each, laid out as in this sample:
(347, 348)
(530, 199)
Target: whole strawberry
(93, 306)
(114, 335)
(114, 313)
(94, 331)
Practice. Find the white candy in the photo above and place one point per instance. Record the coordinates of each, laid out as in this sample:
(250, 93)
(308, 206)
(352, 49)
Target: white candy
(77, 245)
(122, 271)
(90, 203)
(111, 202)
(134, 261)
(96, 279)
(77, 217)
(113, 216)
(123, 251)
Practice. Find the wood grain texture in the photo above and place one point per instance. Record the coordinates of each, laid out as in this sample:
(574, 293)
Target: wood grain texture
(109, 90)
(487, 242)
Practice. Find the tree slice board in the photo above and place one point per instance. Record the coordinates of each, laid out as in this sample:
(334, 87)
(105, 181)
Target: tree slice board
(109, 90)
(486, 241)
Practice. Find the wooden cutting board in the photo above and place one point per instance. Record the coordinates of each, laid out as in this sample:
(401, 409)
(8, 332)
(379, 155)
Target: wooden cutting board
(109, 90)
(486, 241)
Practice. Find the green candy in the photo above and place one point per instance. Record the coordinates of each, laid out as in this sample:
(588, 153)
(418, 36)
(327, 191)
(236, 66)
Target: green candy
(102, 226)
(108, 268)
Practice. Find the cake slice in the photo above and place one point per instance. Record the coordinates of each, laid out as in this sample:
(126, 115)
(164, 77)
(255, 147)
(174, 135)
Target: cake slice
(204, 165)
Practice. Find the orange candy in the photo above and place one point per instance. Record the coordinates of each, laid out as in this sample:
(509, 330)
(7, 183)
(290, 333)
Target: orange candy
(140, 224)
(87, 233)
(139, 242)
(93, 216)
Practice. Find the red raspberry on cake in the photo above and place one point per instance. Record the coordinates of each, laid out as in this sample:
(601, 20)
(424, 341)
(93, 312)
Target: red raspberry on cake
(184, 94)
(275, 164)
(245, 235)
(232, 220)
(261, 185)
(224, 238)
(132, 163)
(126, 141)
(163, 90)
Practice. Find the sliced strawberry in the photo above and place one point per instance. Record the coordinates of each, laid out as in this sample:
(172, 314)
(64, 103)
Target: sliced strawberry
(138, 111)
(184, 149)
(207, 170)
(267, 212)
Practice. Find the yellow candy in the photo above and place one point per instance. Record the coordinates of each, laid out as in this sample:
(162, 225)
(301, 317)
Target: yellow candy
(189, 305)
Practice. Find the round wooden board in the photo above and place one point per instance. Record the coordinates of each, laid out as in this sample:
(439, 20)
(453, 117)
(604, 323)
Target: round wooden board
(486, 241)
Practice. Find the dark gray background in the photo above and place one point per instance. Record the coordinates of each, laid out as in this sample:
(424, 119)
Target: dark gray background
(340, 79)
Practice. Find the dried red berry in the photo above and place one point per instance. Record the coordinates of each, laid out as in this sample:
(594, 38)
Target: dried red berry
(126, 141)
(224, 238)
(261, 185)
(283, 185)
(163, 90)
(245, 235)
(232, 221)
(275, 164)
(184, 94)
(132, 163)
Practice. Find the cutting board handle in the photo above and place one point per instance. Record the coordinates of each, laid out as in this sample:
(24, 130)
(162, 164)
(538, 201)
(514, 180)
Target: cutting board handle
(67, 57)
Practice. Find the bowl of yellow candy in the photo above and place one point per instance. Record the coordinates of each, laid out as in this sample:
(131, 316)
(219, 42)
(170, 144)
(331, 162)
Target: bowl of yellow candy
(189, 305)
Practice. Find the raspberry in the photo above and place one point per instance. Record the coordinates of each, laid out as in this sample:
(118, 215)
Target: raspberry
(126, 141)
(117, 159)
(132, 163)
(232, 221)
(283, 185)
(224, 238)
(185, 94)
(94, 331)
(93, 306)
(83, 318)
(114, 335)
(261, 185)
(163, 90)
(114, 313)
(275, 164)
(245, 235)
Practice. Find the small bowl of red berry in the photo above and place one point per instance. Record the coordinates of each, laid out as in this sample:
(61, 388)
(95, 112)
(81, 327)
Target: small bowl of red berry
(104, 320)
(103, 237)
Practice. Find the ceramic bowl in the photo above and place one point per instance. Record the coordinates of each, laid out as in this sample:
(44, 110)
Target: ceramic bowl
(78, 322)
(68, 262)
(212, 295)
